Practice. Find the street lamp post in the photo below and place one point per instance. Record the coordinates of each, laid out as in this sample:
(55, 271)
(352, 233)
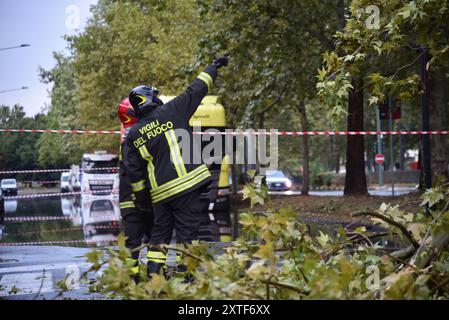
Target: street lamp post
(15, 47)
(9, 90)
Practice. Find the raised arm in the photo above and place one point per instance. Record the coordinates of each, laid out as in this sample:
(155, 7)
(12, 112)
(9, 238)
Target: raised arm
(187, 102)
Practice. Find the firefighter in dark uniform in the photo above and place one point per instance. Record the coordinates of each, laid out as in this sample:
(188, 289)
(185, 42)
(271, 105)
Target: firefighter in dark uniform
(137, 221)
(153, 154)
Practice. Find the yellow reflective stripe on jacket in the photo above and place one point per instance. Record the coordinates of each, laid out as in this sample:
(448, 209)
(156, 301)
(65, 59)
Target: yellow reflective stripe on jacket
(175, 153)
(138, 186)
(127, 205)
(207, 79)
(173, 183)
(182, 187)
(150, 167)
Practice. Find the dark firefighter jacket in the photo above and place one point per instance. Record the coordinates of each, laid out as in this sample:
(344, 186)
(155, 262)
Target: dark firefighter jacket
(153, 154)
(126, 196)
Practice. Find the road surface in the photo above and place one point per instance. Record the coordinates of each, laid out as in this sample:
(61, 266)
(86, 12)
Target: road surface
(32, 272)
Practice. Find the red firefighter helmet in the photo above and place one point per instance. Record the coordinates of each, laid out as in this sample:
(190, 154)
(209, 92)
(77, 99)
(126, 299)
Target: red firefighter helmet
(126, 114)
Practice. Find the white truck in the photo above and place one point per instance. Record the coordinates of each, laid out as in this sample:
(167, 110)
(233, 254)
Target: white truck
(99, 174)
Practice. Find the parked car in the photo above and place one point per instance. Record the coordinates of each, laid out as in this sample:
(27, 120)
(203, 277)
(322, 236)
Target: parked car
(9, 187)
(65, 181)
(277, 181)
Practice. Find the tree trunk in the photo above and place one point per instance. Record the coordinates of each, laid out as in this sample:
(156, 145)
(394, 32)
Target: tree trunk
(355, 180)
(305, 148)
(438, 143)
(261, 125)
(331, 165)
(337, 161)
(261, 120)
(234, 178)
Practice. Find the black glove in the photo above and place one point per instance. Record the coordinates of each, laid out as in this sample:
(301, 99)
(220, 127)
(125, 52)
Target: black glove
(143, 206)
(221, 61)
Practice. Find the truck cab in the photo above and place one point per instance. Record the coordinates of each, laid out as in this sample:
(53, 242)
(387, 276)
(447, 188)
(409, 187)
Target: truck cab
(99, 173)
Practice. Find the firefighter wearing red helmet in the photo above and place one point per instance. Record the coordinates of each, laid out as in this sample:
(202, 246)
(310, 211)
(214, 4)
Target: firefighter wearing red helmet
(156, 166)
(137, 221)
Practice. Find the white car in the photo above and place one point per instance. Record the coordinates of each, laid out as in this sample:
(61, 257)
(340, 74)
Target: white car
(65, 181)
(74, 179)
(9, 187)
(277, 181)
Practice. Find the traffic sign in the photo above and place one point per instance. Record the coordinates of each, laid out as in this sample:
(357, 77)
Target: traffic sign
(384, 110)
(380, 158)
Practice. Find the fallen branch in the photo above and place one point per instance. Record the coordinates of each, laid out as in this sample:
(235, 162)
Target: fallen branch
(187, 253)
(285, 286)
(401, 227)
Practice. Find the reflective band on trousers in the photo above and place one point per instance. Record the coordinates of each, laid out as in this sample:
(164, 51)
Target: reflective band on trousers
(156, 256)
(127, 205)
(138, 186)
(150, 167)
(133, 265)
(207, 79)
(176, 157)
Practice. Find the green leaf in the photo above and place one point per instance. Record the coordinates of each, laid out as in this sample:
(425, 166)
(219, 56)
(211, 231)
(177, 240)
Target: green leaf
(432, 197)
(440, 236)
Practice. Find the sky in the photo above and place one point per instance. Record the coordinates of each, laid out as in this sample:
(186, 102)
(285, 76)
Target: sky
(42, 24)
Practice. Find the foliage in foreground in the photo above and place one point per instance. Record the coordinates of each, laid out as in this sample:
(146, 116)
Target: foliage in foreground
(279, 258)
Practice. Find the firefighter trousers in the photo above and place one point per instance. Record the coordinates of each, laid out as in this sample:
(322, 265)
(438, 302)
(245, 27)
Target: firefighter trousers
(182, 214)
(137, 226)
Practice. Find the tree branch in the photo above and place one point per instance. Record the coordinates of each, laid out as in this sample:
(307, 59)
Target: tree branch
(401, 227)
(285, 286)
(274, 101)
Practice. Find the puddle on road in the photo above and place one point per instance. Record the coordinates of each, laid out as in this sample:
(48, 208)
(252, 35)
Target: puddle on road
(67, 221)
(85, 222)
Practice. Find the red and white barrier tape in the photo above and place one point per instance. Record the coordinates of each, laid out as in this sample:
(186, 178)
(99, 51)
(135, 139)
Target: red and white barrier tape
(324, 133)
(46, 195)
(36, 218)
(58, 242)
(63, 230)
(61, 131)
(53, 170)
(58, 218)
(246, 133)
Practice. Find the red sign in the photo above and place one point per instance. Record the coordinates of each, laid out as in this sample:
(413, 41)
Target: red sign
(384, 110)
(380, 158)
